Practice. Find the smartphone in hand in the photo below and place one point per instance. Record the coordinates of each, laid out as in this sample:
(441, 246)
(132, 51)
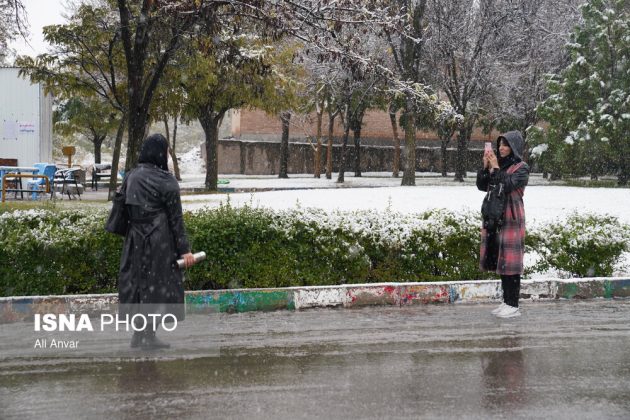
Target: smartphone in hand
(488, 147)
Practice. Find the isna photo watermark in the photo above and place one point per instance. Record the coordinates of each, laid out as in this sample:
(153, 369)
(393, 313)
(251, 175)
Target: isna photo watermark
(70, 322)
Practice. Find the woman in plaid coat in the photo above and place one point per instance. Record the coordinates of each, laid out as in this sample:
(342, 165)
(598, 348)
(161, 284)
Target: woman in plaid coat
(503, 247)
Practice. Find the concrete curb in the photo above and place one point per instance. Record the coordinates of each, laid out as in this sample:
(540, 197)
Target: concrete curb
(18, 308)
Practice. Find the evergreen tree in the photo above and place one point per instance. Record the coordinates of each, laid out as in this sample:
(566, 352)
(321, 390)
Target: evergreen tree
(588, 110)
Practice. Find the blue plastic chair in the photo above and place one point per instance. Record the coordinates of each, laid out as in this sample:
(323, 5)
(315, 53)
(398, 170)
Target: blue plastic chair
(35, 185)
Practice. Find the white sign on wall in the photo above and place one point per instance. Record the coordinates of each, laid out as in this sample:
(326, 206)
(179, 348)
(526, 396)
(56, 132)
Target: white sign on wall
(9, 130)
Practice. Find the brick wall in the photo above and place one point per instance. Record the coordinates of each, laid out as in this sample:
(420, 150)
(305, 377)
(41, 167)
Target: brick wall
(255, 124)
(263, 158)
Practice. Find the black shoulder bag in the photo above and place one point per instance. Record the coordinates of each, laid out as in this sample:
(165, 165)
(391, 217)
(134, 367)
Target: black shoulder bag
(118, 220)
(493, 207)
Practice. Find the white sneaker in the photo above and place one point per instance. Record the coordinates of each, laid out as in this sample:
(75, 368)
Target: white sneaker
(509, 312)
(498, 309)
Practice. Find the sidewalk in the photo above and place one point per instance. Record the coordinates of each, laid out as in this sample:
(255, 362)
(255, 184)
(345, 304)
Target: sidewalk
(17, 308)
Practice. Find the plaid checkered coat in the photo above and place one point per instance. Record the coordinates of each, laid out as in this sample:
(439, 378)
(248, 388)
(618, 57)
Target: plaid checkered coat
(512, 233)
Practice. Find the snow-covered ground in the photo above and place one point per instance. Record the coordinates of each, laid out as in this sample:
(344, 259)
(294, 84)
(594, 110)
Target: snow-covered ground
(191, 162)
(307, 181)
(543, 202)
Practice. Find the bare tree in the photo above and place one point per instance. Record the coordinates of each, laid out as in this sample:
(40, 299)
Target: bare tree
(406, 36)
(542, 28)
(352, 82)
(469, 41)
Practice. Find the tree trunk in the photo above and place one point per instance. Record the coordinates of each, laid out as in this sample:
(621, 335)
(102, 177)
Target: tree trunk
(137, 129)
(396, 168)
(624, 173)
(357, 151)
(462, 148)
(344, 144)
(97, 141)
(344, 148)
(210, 123)
(138, 113)
(285, 117)
(172, 146)
(168, 132)
(409, 174)
(356, 121)
(530, 122)
(318, 148)
(116, 158)
(174, 153)
(460, 156)
(329, 149)
(443, 144)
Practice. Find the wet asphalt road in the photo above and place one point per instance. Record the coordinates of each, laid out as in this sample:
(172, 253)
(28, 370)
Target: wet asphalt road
(560, 360)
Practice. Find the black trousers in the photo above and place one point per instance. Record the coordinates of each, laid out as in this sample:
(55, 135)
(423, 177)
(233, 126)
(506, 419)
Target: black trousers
(511, 286)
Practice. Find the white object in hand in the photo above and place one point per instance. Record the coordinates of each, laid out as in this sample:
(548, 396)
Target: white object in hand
(199, 256)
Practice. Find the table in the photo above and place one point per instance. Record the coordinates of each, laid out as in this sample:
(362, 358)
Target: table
(14, 169)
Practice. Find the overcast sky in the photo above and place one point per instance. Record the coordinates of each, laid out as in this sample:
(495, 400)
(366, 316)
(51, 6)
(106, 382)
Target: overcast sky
(40, 13)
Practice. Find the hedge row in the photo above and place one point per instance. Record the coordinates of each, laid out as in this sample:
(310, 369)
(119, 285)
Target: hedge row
(56, 252)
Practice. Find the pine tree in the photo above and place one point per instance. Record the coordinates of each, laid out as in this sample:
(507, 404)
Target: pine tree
(588, 110)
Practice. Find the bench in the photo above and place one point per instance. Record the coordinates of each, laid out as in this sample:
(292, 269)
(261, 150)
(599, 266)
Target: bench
(8, 162)
(69, 179)
(100, 171)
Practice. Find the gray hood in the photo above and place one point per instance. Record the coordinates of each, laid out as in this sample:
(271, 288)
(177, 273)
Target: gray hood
(515, 141)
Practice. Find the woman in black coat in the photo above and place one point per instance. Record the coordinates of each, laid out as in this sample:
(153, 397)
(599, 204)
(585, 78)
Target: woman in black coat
(150, 280)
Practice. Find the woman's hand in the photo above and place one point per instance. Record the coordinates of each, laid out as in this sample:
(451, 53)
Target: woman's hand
(189, 260)
(493, 163)
(486, 163)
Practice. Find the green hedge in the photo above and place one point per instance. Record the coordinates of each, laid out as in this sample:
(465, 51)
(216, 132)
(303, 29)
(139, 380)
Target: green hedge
(49, 251)
(56, 252)
(585, 245)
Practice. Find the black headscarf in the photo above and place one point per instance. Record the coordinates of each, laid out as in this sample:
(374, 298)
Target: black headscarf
(155, 150)
(514, 139)
(509, 160)
(506, 162)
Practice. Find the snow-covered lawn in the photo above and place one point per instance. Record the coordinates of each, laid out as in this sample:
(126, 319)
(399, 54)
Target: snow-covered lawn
(543, 203)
